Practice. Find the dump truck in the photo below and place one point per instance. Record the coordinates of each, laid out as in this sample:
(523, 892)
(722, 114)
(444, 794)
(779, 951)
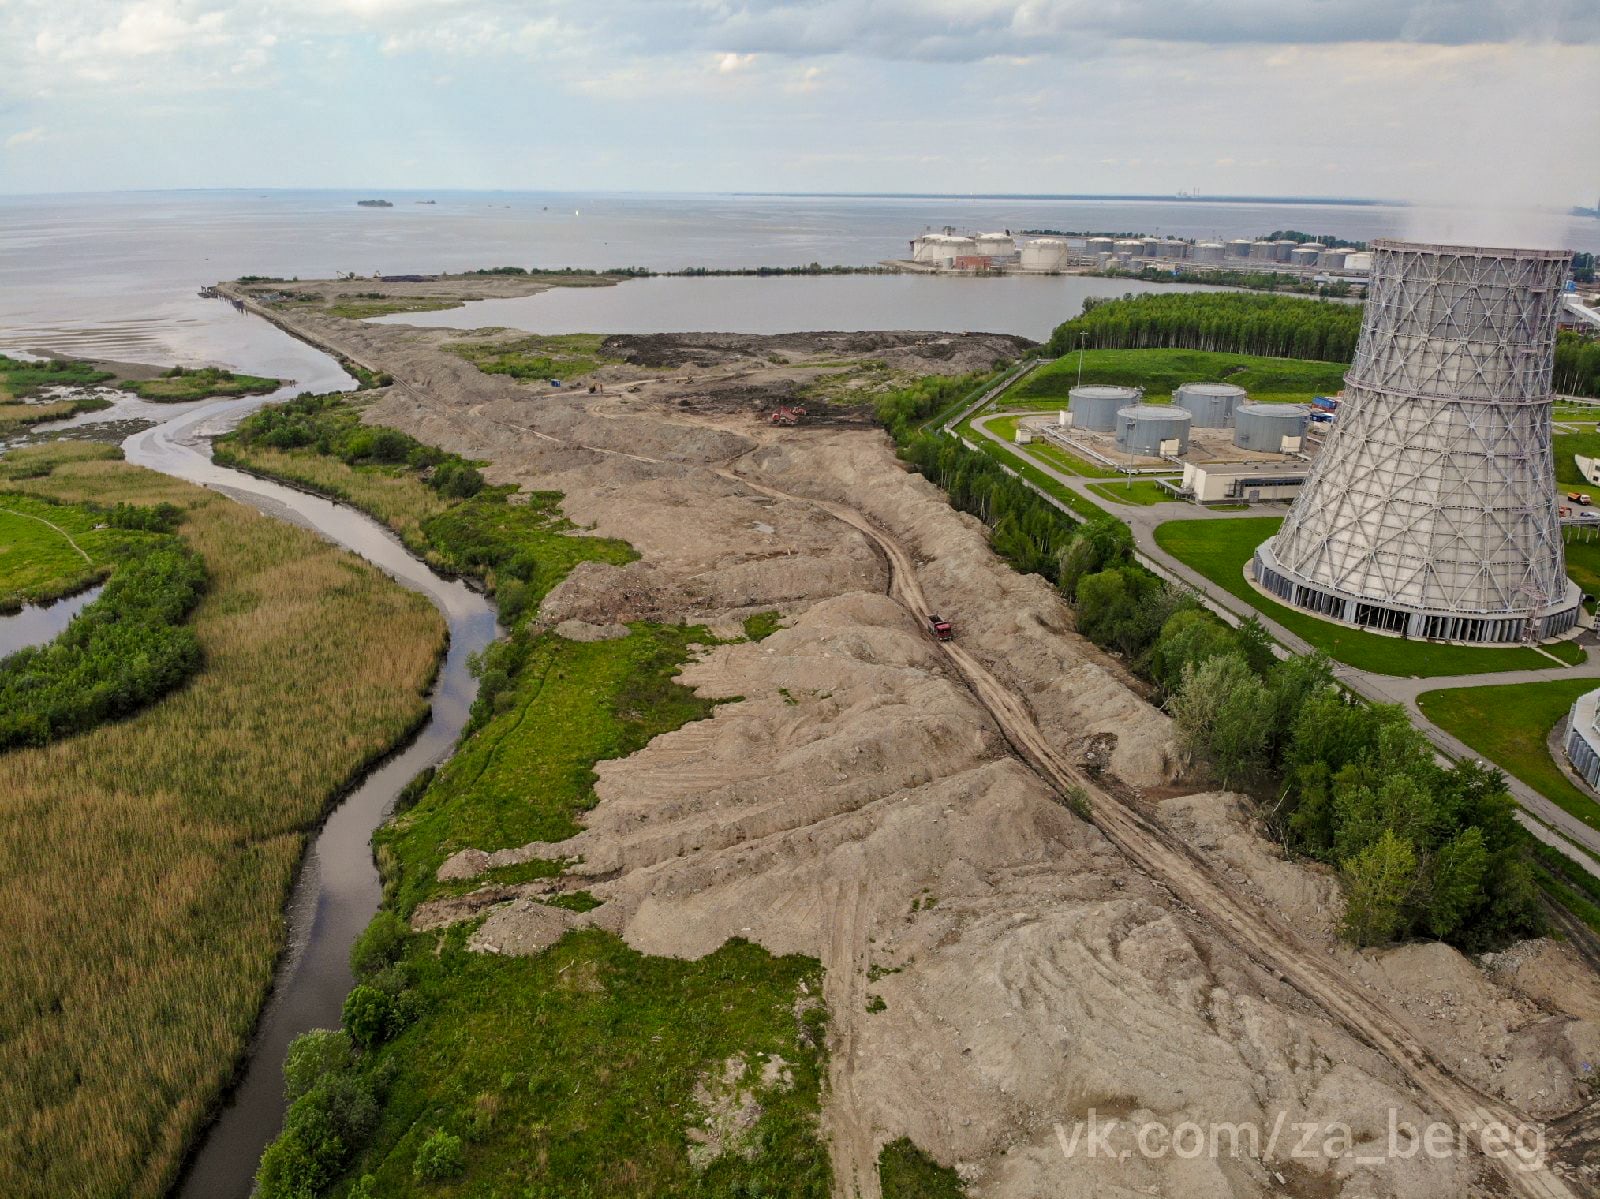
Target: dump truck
(939, 627)
(1580, 498)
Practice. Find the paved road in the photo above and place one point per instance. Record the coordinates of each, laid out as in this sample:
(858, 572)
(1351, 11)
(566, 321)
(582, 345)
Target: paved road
(1539, 815)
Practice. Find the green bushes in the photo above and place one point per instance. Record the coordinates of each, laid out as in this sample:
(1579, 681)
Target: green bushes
(123, 650)
(901, 411)
(1245, 324)
(439, 1158)
(1577, 364)
(333, 1109)
(906, 1172)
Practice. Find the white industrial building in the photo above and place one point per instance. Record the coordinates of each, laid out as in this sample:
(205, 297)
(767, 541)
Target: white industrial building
(1242, 482)
(1583, 737)
(1431, 511)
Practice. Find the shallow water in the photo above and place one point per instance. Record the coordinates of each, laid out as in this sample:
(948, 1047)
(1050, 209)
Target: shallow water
(36, 624)
(1028, 305)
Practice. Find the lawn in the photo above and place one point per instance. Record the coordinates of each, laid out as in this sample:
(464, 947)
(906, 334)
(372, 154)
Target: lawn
(359, 308)
(48, 550)
(1159, 372)
(1509, 726)
(1142, 492)
(1219, 550)
(1066, 463)
(144, 864)
(1583, 563)
(1566, 446)
(564, 356)
(1081, 505)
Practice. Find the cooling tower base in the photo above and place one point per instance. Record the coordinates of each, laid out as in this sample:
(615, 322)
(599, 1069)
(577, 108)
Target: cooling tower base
(1420, 624)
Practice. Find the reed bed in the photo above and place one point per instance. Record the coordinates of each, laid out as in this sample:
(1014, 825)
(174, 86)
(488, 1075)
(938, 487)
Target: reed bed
(144, 865)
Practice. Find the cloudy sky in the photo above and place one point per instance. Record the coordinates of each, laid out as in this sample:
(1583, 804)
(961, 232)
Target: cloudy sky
(1410, 99)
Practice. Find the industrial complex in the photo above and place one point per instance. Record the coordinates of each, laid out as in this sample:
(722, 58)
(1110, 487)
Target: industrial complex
(949, 250)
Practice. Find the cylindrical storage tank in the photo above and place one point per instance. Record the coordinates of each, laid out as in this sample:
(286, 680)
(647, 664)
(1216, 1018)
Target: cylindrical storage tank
(1332, 259)
(1150, 247)
(1262, 427)
(1044, 254)
(1360, 261)
(1239, 247)
(1263, 251)
(1209, 251)
(1144, 428)
(1095, 406)
(1099, 245)
(1129, 246)
(1282, 249)
(995, 245)
(1173, 248)
(1211, 404)
(1305, 256)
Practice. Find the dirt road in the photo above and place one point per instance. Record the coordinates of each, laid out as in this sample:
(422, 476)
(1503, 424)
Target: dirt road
(1273, 946)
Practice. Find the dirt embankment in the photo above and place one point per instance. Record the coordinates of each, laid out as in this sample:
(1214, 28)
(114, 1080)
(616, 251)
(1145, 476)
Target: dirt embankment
(997, 970)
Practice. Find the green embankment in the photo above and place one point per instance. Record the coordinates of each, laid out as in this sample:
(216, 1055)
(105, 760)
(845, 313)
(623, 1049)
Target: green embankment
(1509, 726)
(1160, 372)
(587, 1069)
(906, 1172)
(48, 550)
(563, 356)
(1219, 549)
(184, 384)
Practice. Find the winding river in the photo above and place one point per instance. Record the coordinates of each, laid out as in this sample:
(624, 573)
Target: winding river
(338, 890)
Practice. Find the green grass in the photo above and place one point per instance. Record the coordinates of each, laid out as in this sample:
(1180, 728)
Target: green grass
(906, 1172)
(1508, 725)
(574, 1073)
(20, 379)
(49, 550)
(182, 384)
(761, 625)
(1583, 563)
(1066, 463)
(1159, 372)
(1143, 492)
(1219, 550)
(1081, 505)
(564, 356)
(359, 308)
(1569, 445)
(525, 775)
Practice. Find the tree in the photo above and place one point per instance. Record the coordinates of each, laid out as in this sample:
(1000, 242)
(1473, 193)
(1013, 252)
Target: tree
(1188, 638)
(1379, 881)
(1221, 712)
(1457, 884)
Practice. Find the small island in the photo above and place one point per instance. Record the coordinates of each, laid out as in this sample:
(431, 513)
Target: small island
(373, 204)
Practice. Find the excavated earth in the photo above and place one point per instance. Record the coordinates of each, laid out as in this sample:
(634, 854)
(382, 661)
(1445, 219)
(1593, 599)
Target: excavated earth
(997, 972)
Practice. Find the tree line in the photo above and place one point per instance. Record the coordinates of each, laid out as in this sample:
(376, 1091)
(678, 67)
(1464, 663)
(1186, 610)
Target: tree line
(1423, 850)
(1275, 281)
(1272, 326)
(1577, 365)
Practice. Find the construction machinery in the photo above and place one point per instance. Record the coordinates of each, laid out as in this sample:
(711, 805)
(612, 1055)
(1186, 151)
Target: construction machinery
(939, 627)
(787, 415)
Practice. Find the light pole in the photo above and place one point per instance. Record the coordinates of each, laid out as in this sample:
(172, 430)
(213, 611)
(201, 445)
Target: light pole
(1082, 339)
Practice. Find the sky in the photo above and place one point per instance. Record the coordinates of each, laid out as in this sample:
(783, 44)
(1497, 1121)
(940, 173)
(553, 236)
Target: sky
(1427, 101)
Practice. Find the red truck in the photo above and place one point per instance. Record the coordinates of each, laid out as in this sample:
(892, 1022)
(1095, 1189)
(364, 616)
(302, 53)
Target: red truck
(939, 627)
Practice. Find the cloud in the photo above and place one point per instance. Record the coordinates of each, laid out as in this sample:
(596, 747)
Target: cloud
(25, 136)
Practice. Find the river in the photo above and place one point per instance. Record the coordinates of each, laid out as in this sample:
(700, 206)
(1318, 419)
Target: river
(337, 891)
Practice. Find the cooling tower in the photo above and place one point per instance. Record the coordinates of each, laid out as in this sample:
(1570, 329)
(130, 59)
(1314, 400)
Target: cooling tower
(1431, 511)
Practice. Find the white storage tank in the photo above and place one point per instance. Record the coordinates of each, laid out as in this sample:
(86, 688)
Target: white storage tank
(1211, 404)
(1283, 248)
(1173, 248)
(1239, 247)
(1095, 406)
(1099, 245)
(1263, 251)
(1150, 247)
(1359, 261)
(1209, 251)
(1270, 428)
(1148, 429)
(1332, 260)
(995, 245)
(1044, 254)
(1305, 257)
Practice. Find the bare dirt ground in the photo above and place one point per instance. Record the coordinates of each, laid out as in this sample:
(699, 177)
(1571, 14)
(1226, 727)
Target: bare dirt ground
(999, 969)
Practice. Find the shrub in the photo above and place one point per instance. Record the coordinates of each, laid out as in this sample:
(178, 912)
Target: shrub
(370, 1014)
(439, 1158)
(379, 945)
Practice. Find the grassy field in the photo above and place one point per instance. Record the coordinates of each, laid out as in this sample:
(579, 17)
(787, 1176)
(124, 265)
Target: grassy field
(1071, 464)
(1509, 725)
(358, 308)
(48, 550)
(1583, 563)
(390, 494)
(1082, 505)
(1159, 372)
(534, 358)
(1143, 492)
(1219, 550)
(182, 384)
(144, 864)
(906, 1172)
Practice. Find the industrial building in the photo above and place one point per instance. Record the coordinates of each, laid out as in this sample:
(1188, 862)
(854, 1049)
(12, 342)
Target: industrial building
(1211, 405)
(1094, 406)
(1583, 737)
(1153, 430)
(1431, 510)
(1241, 482)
